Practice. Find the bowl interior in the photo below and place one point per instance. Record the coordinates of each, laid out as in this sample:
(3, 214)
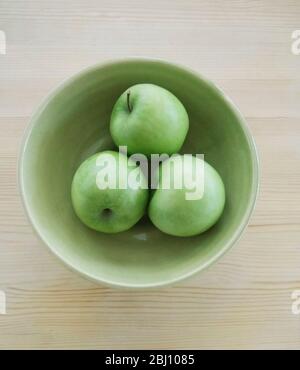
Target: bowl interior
(73, 123)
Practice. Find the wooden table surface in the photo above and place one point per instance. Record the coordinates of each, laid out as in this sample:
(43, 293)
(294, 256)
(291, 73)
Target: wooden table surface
(242, 302)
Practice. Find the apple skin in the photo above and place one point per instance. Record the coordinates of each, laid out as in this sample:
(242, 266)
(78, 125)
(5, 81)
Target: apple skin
(173, 214)
(155, 121)
(107, 210)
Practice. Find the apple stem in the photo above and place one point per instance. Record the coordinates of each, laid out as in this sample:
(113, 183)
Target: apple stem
(128, 102)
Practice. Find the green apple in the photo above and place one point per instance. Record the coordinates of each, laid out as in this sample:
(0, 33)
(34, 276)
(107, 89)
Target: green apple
(148, 119)
(104, 195)
(190, 196)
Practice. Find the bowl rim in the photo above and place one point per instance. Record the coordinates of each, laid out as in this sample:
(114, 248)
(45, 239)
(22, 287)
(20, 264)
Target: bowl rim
(235, 237)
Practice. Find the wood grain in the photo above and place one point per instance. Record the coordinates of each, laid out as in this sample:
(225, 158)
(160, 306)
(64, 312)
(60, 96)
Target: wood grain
(244, 301)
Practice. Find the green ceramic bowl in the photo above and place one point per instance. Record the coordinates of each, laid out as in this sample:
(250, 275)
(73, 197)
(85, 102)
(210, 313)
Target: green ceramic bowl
(73, 123)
